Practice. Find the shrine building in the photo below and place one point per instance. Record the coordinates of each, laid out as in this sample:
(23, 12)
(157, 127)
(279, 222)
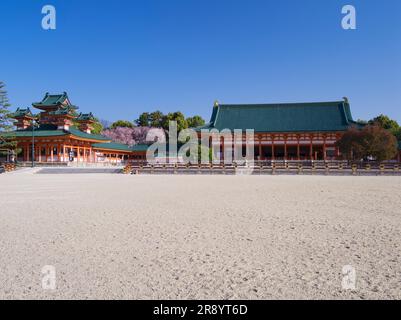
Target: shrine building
(288, 131)
(64, 135)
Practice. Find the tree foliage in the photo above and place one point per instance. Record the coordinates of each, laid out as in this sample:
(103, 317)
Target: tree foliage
(157, 119)
(122, 124)
(143, 120)
(177, 116)
(195, 121)
(5, 114)
(121, 135)
(6, 121)
(97, 127)
(371, 141)
(385, 122)
(131, 136)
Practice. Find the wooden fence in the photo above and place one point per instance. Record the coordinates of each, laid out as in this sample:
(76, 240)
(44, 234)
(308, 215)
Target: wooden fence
(268, 167)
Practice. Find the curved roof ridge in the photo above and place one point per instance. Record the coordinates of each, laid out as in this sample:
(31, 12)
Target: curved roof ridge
(280, 104)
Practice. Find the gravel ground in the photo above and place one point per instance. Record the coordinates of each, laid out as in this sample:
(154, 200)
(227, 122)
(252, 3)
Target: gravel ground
(199, 237)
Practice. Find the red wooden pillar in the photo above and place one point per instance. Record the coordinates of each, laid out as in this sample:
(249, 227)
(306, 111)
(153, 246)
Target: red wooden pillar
(311, 148)
(298, 150)
(273, 147)
(260, 147)
(285, 147)
(45, 147)
(324, 148)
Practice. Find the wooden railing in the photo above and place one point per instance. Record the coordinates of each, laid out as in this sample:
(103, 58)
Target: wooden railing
(268, 167)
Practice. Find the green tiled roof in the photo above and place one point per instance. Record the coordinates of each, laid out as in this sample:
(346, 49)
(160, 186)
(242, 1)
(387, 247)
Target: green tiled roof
(37, 133)
(20, 113)
(121, 147)
(76, 132)
(140, 147)
(64, 111)
(51, 131)
(85, 117)
(53, 100)
(112, 146)
(289, 117)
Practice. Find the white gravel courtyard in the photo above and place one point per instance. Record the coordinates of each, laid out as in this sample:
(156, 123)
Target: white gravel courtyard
(199, 237)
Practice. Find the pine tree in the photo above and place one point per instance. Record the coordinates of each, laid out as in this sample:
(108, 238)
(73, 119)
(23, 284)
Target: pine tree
(6, 123)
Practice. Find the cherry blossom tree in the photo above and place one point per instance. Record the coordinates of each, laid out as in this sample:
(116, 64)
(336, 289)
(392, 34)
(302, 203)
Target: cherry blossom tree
(132, 136)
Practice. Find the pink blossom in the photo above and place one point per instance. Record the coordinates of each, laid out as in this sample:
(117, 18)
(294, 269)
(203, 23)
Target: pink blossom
(132, 136)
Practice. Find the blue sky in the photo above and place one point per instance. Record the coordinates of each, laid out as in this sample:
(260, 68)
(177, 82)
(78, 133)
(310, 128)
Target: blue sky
(119, 58)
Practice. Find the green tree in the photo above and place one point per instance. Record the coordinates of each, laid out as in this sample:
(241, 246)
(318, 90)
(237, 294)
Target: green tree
(122, 123)
(372, 141)
(97, 127)
(143, 120)
(385, 122)
(398, 134)
(6, 121)
(175, 116)
(156, 119)
(195, 121)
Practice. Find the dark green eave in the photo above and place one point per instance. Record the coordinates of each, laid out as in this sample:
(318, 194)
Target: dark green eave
(51, 131)
(53, 100)
(121, 147)
(21, 113)
(85, 117)
(112, 146)
(78, 133)
(37, 133)
(284, 117)
(140, 147)
(67, 110)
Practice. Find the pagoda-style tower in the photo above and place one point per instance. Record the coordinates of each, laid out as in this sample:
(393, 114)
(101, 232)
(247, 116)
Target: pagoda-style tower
(56, 110)
(24, 118)
(86, 121)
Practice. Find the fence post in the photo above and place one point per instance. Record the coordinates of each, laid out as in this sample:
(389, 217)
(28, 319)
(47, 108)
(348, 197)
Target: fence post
(382, 168)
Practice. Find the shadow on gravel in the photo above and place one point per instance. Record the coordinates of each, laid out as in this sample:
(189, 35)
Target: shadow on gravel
(77, 170)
